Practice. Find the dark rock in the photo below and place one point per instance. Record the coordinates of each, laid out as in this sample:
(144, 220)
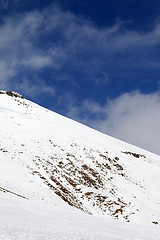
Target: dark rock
(12, 94)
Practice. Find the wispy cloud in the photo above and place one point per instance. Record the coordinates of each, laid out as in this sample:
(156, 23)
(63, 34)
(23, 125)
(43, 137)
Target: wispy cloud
(34, 88)
(57, 39)
(4, 4)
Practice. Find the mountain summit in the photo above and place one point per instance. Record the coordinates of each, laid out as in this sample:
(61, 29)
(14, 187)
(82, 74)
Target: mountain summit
(11, 93)
(48, 160)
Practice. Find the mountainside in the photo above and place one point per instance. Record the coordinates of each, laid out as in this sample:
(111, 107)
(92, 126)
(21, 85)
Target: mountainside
(48, 159)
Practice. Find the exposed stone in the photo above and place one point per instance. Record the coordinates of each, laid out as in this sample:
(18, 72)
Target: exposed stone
(12, 94)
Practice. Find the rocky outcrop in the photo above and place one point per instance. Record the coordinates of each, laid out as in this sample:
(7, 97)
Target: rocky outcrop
(12, 94)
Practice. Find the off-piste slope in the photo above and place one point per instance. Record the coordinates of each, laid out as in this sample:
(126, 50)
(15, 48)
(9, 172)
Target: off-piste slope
(49, 158)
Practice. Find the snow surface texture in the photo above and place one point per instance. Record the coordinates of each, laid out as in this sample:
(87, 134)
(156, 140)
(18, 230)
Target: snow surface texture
(53, 171)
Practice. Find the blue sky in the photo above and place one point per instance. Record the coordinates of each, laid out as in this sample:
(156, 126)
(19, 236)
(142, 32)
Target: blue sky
(97, 62)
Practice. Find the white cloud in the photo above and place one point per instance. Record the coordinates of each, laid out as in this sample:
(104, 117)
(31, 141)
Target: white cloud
(135, 118)
(36, 62)
(132, 117)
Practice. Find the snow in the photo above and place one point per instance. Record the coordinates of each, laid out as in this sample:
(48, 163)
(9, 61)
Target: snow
(42, 152)
(22, 219)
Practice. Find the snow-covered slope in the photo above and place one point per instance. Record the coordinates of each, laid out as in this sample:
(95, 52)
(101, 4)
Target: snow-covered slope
(52, 167)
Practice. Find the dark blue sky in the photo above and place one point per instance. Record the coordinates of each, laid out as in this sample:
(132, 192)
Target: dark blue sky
(103, 13)
(80, 58)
